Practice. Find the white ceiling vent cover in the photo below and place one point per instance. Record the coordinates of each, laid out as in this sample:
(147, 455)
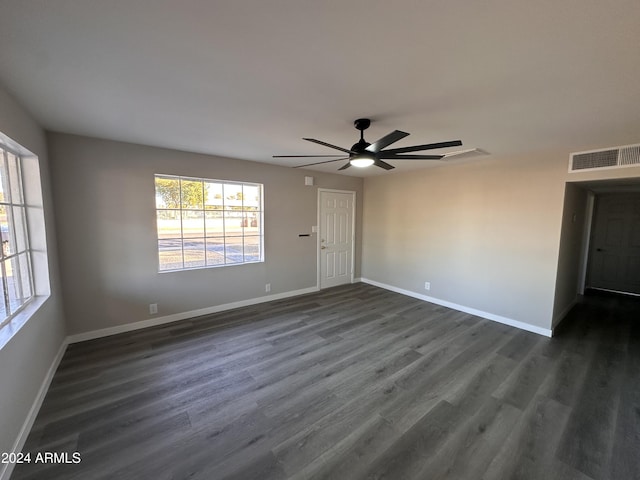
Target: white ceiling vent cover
(616, 157)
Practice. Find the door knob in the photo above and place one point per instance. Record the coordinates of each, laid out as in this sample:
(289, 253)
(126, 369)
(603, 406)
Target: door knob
(322, 247)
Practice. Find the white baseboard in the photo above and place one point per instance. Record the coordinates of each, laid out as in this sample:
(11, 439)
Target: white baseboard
(35, 408)
(479, 313)
(152, 322)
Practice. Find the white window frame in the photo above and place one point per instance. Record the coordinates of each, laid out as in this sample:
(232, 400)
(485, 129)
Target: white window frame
(36, 239)
(204, 209)
(16, 264)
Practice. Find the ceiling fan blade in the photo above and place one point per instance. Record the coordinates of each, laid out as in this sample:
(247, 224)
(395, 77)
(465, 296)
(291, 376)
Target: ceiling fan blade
(381, 164)
(327, 145)
(345, 166)
(319, 163)
(387, 140)
(428, 146)
(306, 156)
(412, 157)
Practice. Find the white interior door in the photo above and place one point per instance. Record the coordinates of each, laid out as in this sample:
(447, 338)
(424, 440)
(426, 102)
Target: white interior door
(336, 237)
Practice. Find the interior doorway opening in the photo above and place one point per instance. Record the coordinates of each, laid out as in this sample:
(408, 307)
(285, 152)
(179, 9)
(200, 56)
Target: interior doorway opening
(580, 263)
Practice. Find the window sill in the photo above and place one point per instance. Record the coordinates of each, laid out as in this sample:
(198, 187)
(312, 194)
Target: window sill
(207, 267)
(18, 321)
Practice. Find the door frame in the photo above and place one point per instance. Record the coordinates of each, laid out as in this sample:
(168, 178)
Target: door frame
(586, 264)
(353, 233)
(585, 257)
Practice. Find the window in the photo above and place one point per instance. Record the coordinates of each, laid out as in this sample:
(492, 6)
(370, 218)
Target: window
(207, 223)
(15, 256)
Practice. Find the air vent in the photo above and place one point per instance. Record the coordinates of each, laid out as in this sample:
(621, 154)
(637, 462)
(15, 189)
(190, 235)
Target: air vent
(469, 152)
(608, 158)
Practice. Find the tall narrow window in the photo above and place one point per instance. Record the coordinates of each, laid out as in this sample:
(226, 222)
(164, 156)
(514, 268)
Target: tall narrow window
(207, 223)
(15, 257)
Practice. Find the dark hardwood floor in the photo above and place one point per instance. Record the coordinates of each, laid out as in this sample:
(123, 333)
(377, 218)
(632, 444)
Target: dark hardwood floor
(353, 382)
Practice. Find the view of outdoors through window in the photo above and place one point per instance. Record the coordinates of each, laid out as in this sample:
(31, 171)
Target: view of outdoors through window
(15, 262)
(207, 223)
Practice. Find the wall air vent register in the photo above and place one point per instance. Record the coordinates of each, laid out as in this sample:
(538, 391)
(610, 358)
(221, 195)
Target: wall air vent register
(617, 157)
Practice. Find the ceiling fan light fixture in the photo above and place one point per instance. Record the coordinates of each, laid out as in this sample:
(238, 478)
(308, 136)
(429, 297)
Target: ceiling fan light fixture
(361, 161)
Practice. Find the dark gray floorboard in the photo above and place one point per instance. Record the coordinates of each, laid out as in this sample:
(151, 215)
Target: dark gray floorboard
(353, 382)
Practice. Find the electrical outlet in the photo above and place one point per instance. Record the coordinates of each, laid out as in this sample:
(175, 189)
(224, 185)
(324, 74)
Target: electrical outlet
(267, 287)
(153, 308)
(427, 285)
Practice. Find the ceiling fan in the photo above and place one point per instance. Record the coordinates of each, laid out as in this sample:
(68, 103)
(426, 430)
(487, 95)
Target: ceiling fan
(364, 154)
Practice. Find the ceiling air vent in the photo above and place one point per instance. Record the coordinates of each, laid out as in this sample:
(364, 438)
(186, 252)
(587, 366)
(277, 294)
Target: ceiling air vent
(607, 158)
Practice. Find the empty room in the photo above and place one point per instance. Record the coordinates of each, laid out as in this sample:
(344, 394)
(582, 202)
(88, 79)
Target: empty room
(319, 240)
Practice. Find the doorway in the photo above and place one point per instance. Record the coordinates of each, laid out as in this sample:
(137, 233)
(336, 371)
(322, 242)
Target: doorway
(614, 253)
(336, 215)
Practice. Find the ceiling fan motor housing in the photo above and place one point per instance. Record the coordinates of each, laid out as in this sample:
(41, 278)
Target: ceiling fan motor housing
(360, 146)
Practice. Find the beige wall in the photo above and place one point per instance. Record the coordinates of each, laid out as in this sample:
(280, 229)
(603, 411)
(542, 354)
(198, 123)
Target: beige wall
(485, 234)
(571, 253)
(105, 207)
(492, 235)
(27, 357)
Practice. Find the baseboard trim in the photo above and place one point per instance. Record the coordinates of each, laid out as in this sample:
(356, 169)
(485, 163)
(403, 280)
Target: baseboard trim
(462, 308)
(152, 322)
(5, 473)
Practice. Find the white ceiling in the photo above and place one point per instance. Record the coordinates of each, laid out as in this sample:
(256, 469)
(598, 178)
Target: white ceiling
(249, 78)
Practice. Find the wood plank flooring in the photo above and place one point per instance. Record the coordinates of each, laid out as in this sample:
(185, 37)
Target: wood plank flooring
(353, 382)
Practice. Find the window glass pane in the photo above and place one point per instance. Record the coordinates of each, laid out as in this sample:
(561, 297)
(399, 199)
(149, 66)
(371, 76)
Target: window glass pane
(25, 268)
(252, 223)
(167, 192)
(252, 246)
(233, 222)
(15, 180)
(13, 283)
(170, 253)
(193, 252)
(214, 224)
(192, 194)
(169, 224)
(233, 249)
(6, 231)
(213, 196)
(251, 197)
(215, 251)
(3, 308)
(20, 224)
(5, 193)
(192, 224)
(232, 196)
